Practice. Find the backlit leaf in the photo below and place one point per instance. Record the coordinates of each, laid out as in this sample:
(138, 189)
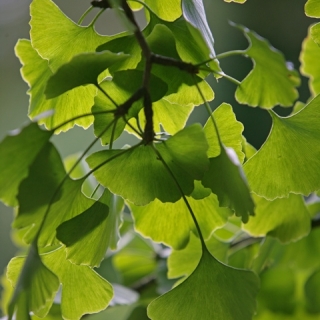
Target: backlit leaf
(36, 193)
(27, 144)
(289, 160)
(36, 72)
(59, 39)
(125, 174)
(236, 1)
(310, 67)
(312, 288)
(271, 81)
(168, 10)
(226, 179)
(88, 235)
(230, 131)
(35, 288)
(83, 290)
(171, 223)
(312, 8)
(287, 219)
(83, 69)
(213, 290)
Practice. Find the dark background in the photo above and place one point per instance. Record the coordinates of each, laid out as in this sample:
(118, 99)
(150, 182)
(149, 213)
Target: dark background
(282, 22)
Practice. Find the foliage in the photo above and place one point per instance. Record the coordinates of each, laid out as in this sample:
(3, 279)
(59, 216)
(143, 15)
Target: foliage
(191, 221)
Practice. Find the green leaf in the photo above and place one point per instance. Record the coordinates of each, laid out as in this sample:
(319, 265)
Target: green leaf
(312, 8)
(230, 131)
(288, 161)
(83, 290)
(287, 219)
(25, 143)
(271, 81)
(315, 33)
(36, 72)
(58, 39)
(310, 67)
(82, 70)
(312, 287)
(124, 172)
(88, 235)
(168, 10)
(171, 223)
(194, 13)
(236, 1)
(35, 285)
(213, 290)
(37, 192)
(226, 179)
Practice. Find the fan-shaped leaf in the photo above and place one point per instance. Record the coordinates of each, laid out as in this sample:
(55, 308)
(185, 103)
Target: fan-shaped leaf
(125, 174)
(272, 81)
(289, 160)
(213, 290)
(312, 8)
(287, 219)
(26, 143)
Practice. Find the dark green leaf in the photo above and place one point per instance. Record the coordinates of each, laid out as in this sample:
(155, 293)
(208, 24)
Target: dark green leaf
(18, 151)
(312, 289)
(126, 175)
(82, 70)
(226, 179)
(213, 290)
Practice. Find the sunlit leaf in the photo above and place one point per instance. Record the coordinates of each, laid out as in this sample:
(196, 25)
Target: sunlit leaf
(125, 174)
(310, 67)
(171, 223)
(289, 160)
(226, 179)
(272, 81)
(236, 1)
(83, 290)
(230, 131)
(25, 144)
(42, 187)
(82, 70)
(36, 72)
(35, 285)
(312, 8)
(88, 235)
(59, 39)
(287, 219)
(213, 290)
(168, 10)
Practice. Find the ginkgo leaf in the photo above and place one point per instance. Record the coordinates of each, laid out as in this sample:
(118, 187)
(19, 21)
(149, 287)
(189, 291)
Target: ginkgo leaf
(88, 235)
(43, 188)
(36, 72)
(168, 10)
(230, 131)
(83, 290)
(171, 223)
(312, 286)
(236, 1)
(287, 219)
(124, 172)
(213, 290)
(310, 67)
(59, 39)
(288, 161)
(81, 70)
(312, 8)
(272, 81)
(26, 143)
(35, 285)
(226, 179)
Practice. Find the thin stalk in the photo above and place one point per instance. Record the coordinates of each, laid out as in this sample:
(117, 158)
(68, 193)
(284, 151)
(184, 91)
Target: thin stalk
(107, 95)
(84, 15)
(222, 74)
(140, 134)
(221, 56)
(182, 194)
(113, 133)
(95, 190)
(96, 17)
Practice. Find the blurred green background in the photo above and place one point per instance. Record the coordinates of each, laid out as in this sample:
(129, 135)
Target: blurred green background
(283, 23)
